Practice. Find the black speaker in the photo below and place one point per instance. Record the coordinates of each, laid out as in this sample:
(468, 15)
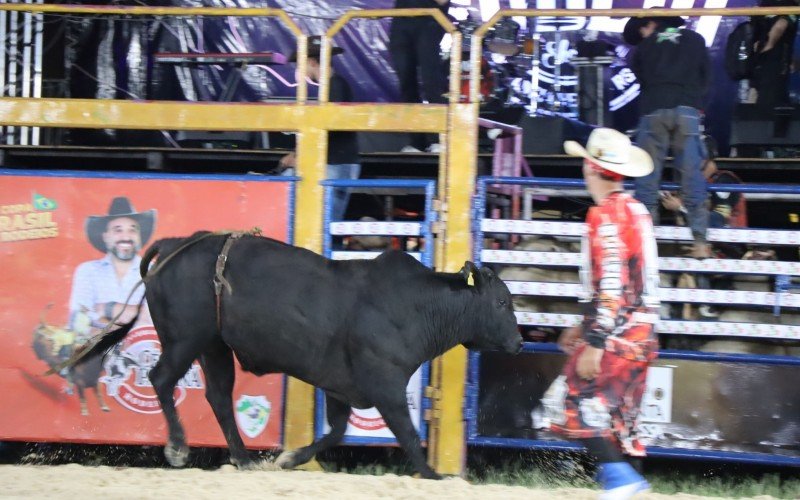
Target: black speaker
(753, 125)
(545, 135)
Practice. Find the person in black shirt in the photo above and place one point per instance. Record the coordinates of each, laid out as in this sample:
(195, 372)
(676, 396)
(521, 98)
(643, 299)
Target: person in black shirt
(673, 69)
(414, 49)
(343, 156)
(774, 44)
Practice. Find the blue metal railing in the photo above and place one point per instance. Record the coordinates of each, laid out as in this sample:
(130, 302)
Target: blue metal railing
(426, 187)
(473, 376)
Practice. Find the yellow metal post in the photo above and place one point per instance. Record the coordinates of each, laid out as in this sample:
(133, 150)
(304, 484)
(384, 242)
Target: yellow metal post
(447, 444)
(312, 147)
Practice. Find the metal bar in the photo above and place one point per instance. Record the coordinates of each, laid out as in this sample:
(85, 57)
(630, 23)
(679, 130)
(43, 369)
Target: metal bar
(551, 348)
(173, 115)
(25, 84)
(430, 219)
(677, 264)
(12, 41)
(421, 184)
(37, 66)
(667, 186)
(447, 450)
(142, 175)
(680, 327)
(652, 451)
(511, 129)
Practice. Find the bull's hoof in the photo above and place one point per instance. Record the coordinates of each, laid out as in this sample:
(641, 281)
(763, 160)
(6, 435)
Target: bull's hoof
(105, 408)
(430, 474)
(84, 412)
(287, 459)
(177, 456)
(245, 465)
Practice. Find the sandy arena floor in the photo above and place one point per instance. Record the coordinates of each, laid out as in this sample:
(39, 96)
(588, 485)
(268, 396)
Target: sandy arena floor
(84, 482)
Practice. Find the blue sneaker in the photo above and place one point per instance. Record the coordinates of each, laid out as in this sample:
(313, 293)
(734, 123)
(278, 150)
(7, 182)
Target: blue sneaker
(620, 481)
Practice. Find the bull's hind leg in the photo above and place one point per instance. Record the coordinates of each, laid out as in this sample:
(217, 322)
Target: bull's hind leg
(174, 362)
(337, 413)
(217, 363)
(100, 400)
(82, 399)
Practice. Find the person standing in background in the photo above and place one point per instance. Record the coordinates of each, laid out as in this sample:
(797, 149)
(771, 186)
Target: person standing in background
(414, 49)
(343, 157)
(673, 69)
(774, 44)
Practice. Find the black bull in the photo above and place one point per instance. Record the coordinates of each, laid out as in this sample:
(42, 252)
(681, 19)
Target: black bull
(357, 330)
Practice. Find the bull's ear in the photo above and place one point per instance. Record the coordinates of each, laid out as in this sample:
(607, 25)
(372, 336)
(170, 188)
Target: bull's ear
(470, 273)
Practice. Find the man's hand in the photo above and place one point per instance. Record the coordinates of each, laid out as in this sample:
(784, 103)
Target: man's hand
(671, 202)
(570, 339)
(288, 161)
(588, 366)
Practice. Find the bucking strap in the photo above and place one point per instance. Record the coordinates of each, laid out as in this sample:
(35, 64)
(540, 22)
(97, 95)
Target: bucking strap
(219, 278)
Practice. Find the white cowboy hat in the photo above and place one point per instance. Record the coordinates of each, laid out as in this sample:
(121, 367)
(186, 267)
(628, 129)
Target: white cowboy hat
(613, 151)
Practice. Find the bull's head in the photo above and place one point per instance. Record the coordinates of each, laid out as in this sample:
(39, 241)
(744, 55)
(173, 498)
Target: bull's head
(495, 322)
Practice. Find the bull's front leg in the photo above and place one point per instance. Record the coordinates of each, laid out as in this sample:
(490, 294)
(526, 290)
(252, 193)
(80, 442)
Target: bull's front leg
(396, 415)
(390, 400)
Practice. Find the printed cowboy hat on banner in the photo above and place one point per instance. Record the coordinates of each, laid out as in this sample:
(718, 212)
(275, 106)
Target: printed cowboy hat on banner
(120, 207)
(613, 151)
(631, 33)
(315, 48)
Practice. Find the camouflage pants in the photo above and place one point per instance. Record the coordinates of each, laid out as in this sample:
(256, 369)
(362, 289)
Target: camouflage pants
(606, 407)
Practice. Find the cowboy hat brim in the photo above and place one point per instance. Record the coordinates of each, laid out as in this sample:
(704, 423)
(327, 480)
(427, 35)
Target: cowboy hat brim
(96, 226)
(335, 51)
(639, 164)
(631, 33)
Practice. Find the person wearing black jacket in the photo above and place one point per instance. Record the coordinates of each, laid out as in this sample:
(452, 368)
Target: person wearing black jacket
(343, 156)
(673, 69)
(774, 43)
(414, 49)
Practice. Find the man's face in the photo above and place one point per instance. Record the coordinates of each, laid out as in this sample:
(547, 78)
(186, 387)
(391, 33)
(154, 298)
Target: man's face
(648, 29)
(123, 238)
(312, 70)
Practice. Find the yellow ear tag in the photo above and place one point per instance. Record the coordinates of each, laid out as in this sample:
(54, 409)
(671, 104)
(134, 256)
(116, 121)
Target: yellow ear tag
(470, 280)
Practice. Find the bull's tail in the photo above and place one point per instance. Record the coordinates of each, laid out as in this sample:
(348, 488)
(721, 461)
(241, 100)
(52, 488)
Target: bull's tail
(148, 256)
(98, 345)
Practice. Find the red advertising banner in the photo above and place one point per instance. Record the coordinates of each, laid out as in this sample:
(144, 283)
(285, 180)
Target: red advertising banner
(71, 247)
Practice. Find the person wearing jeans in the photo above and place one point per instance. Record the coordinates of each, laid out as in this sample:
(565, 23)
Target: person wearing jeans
(341, 195)
(343, 156)
(673, 70)
(679, 128)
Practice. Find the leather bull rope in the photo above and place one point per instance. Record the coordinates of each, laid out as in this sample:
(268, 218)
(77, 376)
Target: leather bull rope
(219, 278)
(219, 282)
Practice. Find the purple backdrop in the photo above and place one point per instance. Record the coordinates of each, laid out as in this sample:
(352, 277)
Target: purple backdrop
(118, 51)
